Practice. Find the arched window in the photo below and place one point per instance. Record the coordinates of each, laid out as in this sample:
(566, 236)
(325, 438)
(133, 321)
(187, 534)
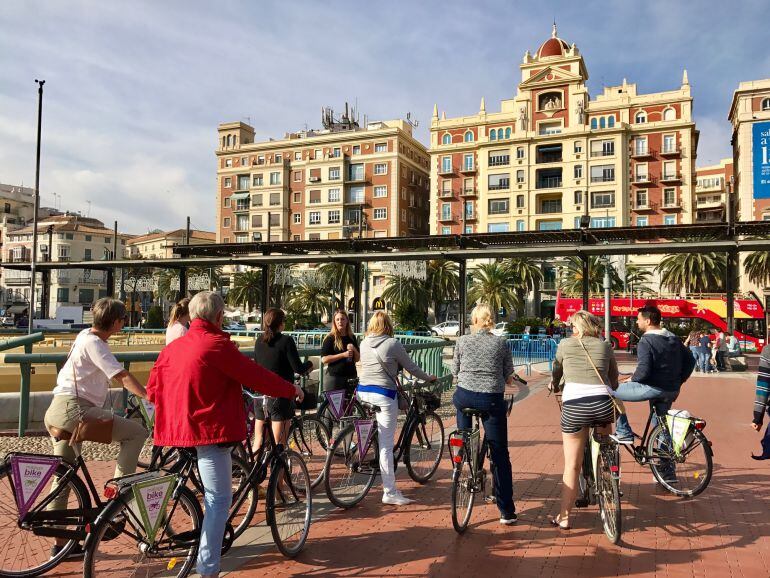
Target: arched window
(224, 141)
(766, 104)
(602, 123)
(640, 117)
(492, 134)
(508, 132)
(499, 134)
(610, 121)
(669, 114)
(468, 136)
(446, 139)
(594, 125)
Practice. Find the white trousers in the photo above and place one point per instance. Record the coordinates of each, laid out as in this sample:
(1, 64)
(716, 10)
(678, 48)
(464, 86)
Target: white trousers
(387, 419)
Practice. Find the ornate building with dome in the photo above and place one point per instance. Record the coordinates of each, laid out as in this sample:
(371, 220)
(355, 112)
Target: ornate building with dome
(552, 154)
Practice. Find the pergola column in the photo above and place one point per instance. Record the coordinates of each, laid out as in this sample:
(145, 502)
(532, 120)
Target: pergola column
(463, 295)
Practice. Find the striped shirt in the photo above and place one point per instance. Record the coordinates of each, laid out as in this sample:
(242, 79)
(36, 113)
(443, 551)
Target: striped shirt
(763, 386)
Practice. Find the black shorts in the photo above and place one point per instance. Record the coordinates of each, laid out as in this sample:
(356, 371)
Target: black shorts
(587, 411)
(278, 409)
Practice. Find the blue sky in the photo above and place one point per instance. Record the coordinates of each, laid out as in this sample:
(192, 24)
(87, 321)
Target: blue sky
(135, 90)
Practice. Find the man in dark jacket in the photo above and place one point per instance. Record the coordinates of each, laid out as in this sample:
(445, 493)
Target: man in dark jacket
(761, 405)
(664, 364)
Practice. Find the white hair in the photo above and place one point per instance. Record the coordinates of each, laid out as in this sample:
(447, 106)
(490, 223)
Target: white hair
(206, 305)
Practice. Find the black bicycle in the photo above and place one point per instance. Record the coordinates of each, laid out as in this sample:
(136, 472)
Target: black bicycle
(468, 452)
(352, 462)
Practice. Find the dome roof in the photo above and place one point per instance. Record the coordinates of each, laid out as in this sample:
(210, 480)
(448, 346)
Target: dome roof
(554, 46)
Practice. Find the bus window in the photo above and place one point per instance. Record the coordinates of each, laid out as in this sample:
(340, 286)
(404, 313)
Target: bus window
(751, 327)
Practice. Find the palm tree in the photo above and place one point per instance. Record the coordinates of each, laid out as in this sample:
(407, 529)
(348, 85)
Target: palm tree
(442, 284)
(757, 267)
(494, 284)
(247, 289)
(309, 299)
(571, 281)
(406, 291)
(339, 278)
(527, 276)
(638, 279)
(693, 272)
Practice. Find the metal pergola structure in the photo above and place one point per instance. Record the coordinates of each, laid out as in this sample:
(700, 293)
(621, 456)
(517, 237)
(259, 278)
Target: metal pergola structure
(725, 237)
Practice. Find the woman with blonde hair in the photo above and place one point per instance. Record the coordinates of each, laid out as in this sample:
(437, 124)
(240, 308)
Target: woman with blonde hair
(179, 320)
(483, 365)
(382, 357)
(587, 365)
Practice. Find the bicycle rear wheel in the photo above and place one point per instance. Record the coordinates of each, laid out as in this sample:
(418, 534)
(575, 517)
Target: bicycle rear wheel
(289, 503)
(424, 447)
(348, 477)
(241, 517)
(685, 474)
(309, 437)
(118, 547)
(463, 495)
(22, 551)
(608, 495)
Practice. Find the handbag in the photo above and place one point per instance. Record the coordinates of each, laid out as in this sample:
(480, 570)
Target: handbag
(619, 407)
(91, 426)
(403, 401)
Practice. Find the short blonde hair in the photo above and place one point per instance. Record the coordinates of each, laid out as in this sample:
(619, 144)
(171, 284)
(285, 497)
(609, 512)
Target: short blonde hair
(206, 305)
(481, 317)
(587, 324)
(380, 324)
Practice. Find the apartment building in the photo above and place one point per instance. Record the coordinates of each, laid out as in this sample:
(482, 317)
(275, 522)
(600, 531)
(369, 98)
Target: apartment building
(63, 237)
(711, 186)
(160, 244)
(551, 154)
(340, 182)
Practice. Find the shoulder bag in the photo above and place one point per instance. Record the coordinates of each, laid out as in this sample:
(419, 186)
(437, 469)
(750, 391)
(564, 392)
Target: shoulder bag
(619, 407)
(91, 427)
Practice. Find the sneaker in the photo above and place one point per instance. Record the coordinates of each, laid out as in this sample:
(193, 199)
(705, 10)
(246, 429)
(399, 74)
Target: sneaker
(75, 552)
(396, 499)
(628, 441)
(509, 519)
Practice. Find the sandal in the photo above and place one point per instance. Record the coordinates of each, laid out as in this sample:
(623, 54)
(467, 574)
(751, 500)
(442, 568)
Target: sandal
(559, 524)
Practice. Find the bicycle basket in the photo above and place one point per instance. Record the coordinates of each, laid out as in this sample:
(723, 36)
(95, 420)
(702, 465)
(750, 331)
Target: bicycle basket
(428, 400)
(310, 401)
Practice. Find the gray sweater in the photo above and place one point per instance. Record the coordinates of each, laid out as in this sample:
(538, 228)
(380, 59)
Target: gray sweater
(394, 357)
(482, 362)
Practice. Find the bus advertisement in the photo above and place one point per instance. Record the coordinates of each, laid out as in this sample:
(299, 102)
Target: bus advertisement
(711, 310)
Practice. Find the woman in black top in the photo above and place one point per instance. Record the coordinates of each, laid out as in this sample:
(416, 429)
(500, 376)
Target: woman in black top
(339, 353)
(278, 353)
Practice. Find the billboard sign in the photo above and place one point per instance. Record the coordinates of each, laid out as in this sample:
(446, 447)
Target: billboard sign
(761, 158)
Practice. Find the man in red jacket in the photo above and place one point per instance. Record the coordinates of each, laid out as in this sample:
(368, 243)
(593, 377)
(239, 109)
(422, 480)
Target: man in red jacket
(196, 388)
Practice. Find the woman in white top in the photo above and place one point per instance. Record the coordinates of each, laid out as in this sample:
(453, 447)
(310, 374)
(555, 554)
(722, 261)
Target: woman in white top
(179, 320)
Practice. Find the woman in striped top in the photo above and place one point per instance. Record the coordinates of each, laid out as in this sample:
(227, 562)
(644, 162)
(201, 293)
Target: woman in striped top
(587, 365)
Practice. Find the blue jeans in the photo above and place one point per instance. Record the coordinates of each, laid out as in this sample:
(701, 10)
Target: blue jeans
(216, 472)
(660, 399)
(496, 431)
(703, 361)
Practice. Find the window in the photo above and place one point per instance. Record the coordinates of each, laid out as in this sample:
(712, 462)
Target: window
(602, 123)
(296, 176)
(498, 206)
(499, 159)
(640, 145)
(519, 201)
(315, 197)
(603, 174)
(468, 229)
(550, 127)
(315, 217)
(641, 117)
(519, 152)
(275, 178)
(297, 218)
(642, 221)
(508, 132)
(226, 222)
(333, 217)
(669, 114)
(578, 171)
(381, 191)
(258, 181)
(298, 155)
(520, 176)
(243, 182)
(228, 163)
(241, 238)
(356, 172)
(256, 200)
(550, 206)
(446, 164)
(380, 213)
(641, 173)
(356, 149)
(242, 204)
(520, 225)
(64, 250)
(499, 182)
(602, 222)
(493, 134)
(446, 230)
(356, 195)
(603, 200)
(336, 153)
(334, 173)
(497, 228)
(244, 161)
(669, 170)
(275, 199)
(669, 143)
(317, 154)
(85, 296)
(403, 215)
(578, 197)
(241, 222)
(549, 226)
(468, 209)
(765, 104)
(594, 123)
(228, 182)
(468, 137)
(261, 160)
(468, 162)
(107, 239)
(446, 139)
(87, 255)
(62, 295)
(578, 147)
(334, 195)
(380, 169)
(669, 197)
(610, 122)
(641, 200)
(669, 220)
(446, 211)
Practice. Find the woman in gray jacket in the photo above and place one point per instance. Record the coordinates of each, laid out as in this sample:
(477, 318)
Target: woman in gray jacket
(382, 356)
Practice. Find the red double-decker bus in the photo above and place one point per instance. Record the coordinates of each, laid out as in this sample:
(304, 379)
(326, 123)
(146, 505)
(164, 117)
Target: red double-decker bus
(711, 310)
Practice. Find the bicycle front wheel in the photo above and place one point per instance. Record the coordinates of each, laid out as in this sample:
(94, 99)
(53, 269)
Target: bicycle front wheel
(245, 498)
(289, 503)
(687, 473)
(118, 545)
(424, 447)
(347, 476)
(609, 498)
(463, 495)
(309, 437)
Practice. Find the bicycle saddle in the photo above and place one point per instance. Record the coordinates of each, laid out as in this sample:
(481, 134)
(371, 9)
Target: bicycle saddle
(370, 406)
(58, 433)
(472, 411)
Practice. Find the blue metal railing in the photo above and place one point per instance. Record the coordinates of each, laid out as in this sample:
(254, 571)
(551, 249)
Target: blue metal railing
(529, 349)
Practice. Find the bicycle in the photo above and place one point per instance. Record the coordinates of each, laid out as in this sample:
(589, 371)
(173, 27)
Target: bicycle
(677, 451)
(339, 404)
(353, 459)
(468, 474)
(144, 411)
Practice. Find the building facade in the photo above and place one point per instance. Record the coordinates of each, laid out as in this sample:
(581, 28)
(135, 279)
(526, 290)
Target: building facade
(344, 181)
(711, 187)
(552, 154)
(160, 244)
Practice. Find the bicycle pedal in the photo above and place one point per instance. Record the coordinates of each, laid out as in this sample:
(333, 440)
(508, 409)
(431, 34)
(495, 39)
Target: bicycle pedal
(581, 503)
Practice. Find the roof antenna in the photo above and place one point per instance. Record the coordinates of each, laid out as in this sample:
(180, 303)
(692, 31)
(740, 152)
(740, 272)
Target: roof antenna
(553, 32)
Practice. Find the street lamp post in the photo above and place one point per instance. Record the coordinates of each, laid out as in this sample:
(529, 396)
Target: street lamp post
(31, 315)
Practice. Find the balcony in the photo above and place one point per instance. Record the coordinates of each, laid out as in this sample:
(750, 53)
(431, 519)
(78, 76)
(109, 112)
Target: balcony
(717, 186)
(671, 179)
(603, 179)
(671, 151)
(671, 205)
(641, 208)
(19, 279)
(643, 181)
(549, 208)
(548, 154)
(355, 178)
(710, 203)
(548, 183)
(447, 217)
(501, 186)
(470, 216)
(468, 192)
(444, 170)
(314, 179)
(643, 153)
(468, 169)
(447, 193)
(603, 153)
(500, 161)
